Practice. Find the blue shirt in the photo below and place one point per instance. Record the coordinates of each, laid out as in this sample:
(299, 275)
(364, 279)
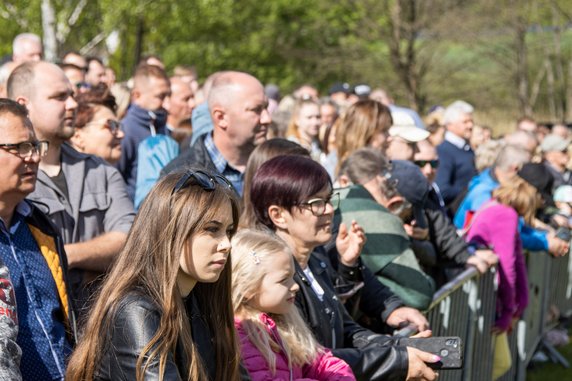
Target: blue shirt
(223, 167)
(41, 335)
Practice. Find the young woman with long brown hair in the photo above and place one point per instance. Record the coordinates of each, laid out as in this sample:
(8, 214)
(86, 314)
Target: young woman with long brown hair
(165, 310)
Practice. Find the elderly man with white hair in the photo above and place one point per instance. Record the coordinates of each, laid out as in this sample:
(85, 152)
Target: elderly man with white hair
(27, 47)
(457, 159)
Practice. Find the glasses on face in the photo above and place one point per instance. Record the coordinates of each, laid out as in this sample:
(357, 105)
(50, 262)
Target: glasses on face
(204, 179)
(421, 163)
(318, 205)
(113, 125)
(27, 149)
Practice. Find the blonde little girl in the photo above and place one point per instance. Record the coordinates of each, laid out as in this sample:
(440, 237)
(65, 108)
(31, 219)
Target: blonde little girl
(274, 340)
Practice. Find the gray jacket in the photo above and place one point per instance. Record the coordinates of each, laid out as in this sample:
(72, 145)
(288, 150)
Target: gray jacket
(98, 203)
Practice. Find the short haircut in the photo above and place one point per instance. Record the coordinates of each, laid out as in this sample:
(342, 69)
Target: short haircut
(261, 154)
(21, 81)
(88, 102)
(147, 57)
(511, 156)
(285, 181)
(19, 39)
(364, 164)
(184, 70)
(71, 52)
(9, 106)
(487, 153)
(223, 84)
(521, 138)
(67, 66)
(90, 59)
(145, 72)
(526, 119)
(455, 111)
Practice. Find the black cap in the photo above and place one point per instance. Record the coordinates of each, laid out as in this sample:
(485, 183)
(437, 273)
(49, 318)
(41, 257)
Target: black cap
(537, 175)
(412, 185)
(339, 87)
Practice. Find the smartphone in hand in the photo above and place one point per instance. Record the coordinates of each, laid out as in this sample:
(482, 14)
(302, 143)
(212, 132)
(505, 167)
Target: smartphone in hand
(449, 348)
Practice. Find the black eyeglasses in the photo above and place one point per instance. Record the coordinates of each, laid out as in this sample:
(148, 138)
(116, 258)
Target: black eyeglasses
(318, 205)
(421, 163)
(204, 179)
(113, 125)
(27, 149)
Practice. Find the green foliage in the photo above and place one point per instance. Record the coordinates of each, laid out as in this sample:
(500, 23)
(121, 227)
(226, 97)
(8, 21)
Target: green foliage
(462, 48)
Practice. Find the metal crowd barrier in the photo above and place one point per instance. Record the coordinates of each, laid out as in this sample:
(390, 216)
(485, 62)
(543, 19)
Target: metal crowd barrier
(465, 307)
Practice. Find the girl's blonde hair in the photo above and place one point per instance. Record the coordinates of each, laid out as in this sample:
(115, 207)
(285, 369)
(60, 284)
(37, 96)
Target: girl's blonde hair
(251, 250)
(519, 195)
(292, 130)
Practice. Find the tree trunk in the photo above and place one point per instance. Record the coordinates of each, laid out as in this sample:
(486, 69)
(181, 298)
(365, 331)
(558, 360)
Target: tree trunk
(49, 30)
(522, 68)
(139, 41)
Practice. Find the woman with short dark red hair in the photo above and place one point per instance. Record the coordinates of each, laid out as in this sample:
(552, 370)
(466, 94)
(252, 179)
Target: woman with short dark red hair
(293, 197)
(97, 129)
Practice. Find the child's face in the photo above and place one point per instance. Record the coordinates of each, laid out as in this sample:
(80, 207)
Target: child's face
(278, 289)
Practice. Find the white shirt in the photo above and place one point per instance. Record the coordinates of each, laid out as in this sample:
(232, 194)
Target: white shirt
(314, 284)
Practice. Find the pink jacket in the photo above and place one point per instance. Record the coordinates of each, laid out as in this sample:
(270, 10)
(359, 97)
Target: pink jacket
(496, 225)
(325, 367)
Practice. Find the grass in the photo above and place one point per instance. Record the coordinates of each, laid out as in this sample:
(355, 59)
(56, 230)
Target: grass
(550, 371)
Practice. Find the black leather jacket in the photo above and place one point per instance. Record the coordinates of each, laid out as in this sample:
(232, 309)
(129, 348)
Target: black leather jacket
(135, 322)
(371, 356)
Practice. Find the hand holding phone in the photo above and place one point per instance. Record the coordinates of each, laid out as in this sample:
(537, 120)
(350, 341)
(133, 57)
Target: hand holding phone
(448, 348)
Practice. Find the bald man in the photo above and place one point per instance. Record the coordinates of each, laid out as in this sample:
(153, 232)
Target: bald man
(238, 108)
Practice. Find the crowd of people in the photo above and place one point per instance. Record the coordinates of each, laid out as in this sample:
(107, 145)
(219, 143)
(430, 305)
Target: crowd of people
(159, 229)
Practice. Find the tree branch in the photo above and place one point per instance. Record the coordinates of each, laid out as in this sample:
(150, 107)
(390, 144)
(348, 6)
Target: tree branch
(94, 41)
(11, 13)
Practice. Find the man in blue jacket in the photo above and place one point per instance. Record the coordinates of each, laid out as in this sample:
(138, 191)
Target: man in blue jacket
(145, 117)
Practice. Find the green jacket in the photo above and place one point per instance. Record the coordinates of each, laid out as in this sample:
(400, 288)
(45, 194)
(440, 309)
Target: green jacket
(387, 251)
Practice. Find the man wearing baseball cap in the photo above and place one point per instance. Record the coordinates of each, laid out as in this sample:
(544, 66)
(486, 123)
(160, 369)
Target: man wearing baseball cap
(404, 136)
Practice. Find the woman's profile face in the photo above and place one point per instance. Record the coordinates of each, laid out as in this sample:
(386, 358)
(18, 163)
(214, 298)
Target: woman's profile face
(379, 140)
(305, 227)
(206, 253)
(101, 136)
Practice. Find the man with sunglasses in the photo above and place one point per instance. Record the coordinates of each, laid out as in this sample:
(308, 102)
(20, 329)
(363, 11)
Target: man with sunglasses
(427, 160)
(84, 197)
(33, 251)
(238, 108)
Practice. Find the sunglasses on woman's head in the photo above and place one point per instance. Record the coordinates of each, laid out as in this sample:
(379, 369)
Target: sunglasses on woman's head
(204, 179)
